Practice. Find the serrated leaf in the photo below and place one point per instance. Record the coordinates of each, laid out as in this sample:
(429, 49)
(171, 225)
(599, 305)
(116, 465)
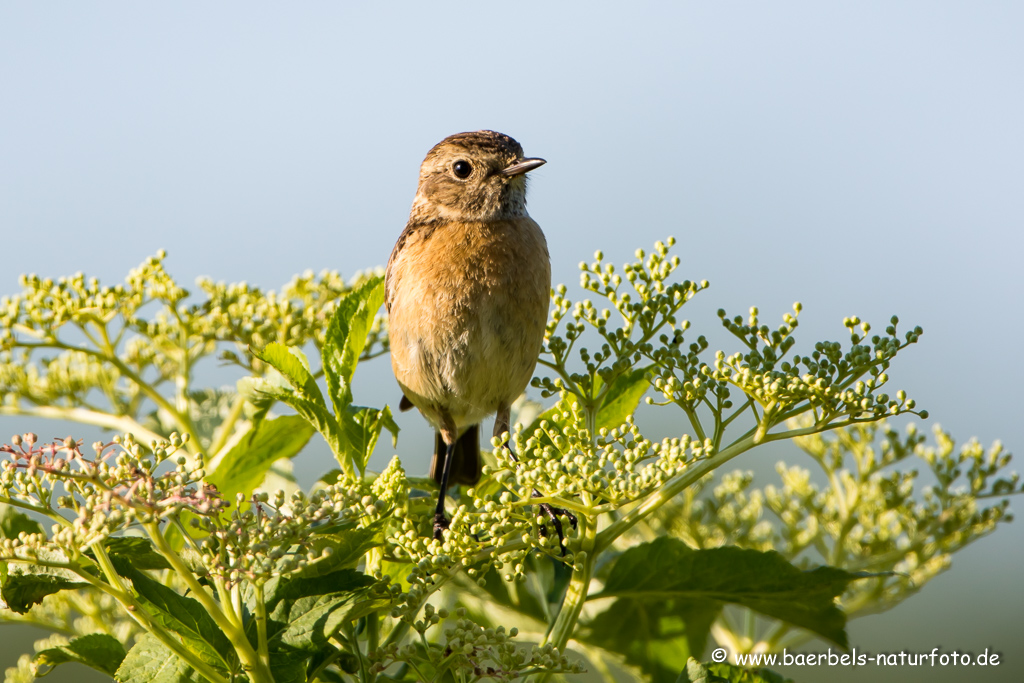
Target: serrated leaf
(621, 401)
(293, 364)
(245, 466)
(345, 338)
(23, 584)
(764, 581)
(98, 651)
(362, 427)
(183, 615)
(695, 672)
(150, 661)
(346, 548)
(305, 612)
(280, 592)
(13, 522)
(317, 415)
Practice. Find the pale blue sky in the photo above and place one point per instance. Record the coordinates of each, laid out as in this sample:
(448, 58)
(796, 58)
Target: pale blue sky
(866, 159)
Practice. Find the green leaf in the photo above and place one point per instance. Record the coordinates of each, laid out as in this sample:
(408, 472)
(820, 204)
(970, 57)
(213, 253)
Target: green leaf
(362, 427)
(658, 636)
(13, 522)
(345, 338)
(245, 466)
(763, 581)
(98, 651)
(281, 593)
(183, 615)
(293, 364)
(21, 591)
(622, 400)
(346, 549)
(136, 550)
(695, 672)
(305, 612)
(150, 661)
(304, 396)
(536, 598)
(23, 585)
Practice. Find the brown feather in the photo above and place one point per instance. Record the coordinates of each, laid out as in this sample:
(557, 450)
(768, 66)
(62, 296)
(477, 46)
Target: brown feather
(466, 459)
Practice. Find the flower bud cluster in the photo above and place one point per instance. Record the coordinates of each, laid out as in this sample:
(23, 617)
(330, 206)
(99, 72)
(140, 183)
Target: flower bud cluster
(499, 526)
(732, 511)
(482, 535)
(271, 535)
(105, 494)
(473, 652)
(124, 486)
(249, 317)
(650, 307)
(122, 347)
(871, 517)
(829, 379)
(616, 466)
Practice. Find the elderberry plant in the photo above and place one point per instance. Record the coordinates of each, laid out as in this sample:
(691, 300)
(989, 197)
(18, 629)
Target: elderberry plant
(166, 559)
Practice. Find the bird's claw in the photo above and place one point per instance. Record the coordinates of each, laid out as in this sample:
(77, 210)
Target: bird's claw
(441, 523)
(553, 514)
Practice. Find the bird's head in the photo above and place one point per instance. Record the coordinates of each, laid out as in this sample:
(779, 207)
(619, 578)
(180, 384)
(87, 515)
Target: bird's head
(478, 176)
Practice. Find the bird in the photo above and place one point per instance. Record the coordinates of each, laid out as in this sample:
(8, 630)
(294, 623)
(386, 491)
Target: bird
(467, 290)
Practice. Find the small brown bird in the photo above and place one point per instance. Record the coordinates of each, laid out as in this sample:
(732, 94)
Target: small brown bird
(467, 293)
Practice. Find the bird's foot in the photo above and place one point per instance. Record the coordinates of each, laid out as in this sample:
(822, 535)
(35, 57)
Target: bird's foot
(441, 523)
(553, 514)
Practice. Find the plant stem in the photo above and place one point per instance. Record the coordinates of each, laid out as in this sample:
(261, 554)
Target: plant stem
(579, 588)
(138, 612)
(118, 423)
(261, 627)
(184, 420)
(255, 668)
(227, 427)
(669, 491)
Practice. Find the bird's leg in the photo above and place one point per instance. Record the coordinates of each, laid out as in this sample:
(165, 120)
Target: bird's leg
(501, 420)
(450, 436)
(501, 425)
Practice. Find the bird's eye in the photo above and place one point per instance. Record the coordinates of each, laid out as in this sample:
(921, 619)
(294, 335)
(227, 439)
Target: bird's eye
(462, 169)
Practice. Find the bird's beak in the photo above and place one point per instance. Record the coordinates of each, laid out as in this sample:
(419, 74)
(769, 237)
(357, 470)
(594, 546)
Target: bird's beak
(522, 166)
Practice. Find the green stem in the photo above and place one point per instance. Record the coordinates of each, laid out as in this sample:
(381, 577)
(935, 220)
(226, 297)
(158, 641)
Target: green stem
(117, 423)
(184, 420)
(402, 628)
(262, 646)
(138, 612)
(227, 426)
(254, 667)
(579, 587)
(372, 632)
(39, 509)
(353, 643)
(670, 490)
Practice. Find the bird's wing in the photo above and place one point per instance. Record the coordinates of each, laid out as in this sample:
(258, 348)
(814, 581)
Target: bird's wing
(392, 278)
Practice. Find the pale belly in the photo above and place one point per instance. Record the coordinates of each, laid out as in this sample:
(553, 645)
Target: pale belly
(466, 332)
(470, 367)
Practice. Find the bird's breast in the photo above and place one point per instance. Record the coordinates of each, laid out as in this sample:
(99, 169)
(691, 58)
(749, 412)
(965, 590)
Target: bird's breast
(468, 305)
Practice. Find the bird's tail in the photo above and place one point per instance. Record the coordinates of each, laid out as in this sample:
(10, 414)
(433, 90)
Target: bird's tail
(465, 459)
